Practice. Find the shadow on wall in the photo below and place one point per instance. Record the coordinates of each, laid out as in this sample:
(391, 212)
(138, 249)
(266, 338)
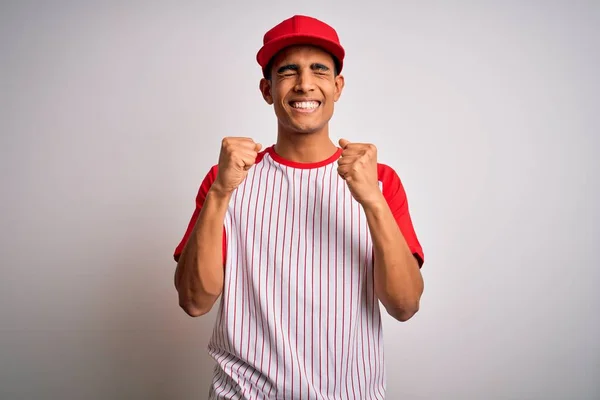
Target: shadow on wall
(143, 346)
(105, 322)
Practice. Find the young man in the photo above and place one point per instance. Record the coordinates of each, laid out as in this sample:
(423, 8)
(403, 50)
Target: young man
(301, 240)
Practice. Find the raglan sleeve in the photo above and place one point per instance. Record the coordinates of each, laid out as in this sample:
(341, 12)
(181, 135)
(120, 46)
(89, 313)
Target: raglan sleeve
(395, 195)
(200, 198)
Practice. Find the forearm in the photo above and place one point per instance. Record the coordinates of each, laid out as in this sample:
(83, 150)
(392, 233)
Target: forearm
(199, 274)
(398, 280)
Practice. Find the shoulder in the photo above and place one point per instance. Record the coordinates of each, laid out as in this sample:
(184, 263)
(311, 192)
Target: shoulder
(263, 153)
(387, 175)
(390, 183)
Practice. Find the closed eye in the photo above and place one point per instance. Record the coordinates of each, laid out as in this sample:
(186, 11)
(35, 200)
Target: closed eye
(288, 70)
(320, 68)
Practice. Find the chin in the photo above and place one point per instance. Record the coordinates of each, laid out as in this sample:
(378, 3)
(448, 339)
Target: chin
(305, 130)
(307, 126)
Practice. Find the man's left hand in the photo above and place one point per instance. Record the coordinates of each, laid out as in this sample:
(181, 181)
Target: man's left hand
(358, 167)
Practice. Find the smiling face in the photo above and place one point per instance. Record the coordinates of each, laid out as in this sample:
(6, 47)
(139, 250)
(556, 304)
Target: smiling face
(303, 89)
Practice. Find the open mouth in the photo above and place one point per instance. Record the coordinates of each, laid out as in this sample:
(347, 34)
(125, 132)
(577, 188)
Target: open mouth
(305, 106)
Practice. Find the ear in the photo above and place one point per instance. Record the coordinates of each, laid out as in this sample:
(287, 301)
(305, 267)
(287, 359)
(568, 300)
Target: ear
(265, 89)
(339, 86)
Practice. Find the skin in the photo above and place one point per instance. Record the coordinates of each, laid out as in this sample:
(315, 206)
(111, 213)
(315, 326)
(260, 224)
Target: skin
(300, 73)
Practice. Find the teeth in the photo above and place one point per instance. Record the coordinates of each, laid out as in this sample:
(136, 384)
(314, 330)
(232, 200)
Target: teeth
(305, 104)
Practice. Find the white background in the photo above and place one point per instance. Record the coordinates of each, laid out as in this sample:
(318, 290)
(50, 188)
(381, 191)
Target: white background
(111, 114)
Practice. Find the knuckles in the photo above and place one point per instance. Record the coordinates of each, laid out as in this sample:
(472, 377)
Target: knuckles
(370, 150)
(361, 149)
(227, 142)
(230, 145)
(227, 146)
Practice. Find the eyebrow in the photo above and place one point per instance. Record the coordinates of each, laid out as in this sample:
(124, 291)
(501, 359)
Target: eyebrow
(295, 67)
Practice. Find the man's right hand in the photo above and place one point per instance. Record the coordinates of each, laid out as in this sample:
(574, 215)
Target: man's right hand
(237, 156)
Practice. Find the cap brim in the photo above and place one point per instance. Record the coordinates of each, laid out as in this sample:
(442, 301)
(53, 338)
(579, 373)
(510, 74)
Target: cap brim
(269, 50)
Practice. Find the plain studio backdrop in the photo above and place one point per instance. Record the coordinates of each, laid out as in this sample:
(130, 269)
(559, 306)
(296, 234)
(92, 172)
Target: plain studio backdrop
(111, 114)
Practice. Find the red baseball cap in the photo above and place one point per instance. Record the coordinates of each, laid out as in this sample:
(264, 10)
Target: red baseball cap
(300, 29)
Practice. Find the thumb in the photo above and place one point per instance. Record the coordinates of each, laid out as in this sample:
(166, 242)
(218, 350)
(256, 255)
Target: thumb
(257, 147)
(344, 143)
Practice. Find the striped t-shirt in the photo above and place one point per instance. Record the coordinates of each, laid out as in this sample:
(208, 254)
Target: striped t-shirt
(298, 317)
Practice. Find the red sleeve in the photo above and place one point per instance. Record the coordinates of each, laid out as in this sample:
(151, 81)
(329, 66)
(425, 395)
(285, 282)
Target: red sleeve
(204, 187)
(394, 193)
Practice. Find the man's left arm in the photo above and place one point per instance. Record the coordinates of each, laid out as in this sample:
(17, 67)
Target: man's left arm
(398, 279)
(397, 275)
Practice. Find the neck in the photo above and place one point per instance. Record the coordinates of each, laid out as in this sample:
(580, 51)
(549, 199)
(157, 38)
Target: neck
(305, 147)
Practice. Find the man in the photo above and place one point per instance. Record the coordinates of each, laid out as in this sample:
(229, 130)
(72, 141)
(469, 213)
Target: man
(301, 240)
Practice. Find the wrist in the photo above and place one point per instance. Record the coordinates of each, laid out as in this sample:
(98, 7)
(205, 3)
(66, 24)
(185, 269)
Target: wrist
(374, 203)
(218, 191)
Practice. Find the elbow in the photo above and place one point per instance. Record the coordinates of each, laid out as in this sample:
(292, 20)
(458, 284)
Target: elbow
(195, 305)
(193, 310)
(403, 313)
(401, 308)
(195, 301)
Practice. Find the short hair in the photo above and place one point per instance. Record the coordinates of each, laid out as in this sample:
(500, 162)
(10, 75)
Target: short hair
(267, 70)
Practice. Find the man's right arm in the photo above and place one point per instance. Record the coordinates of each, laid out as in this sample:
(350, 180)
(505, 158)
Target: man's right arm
(200, 272)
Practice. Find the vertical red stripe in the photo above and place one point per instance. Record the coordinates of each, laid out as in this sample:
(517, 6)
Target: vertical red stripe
(321, 277)
(329, 274)
(247, 277)
(242, 271)
(305, 267)
(268, 267)
(216, 343)
(218, 386)
(363, 297)
(289, 291)
(368, 285)
(228, 270)
(364, 294)
(312, 285)
(224, 319)
(245, 284)
(297, 289)
(335, 282)
(353, 323)
(344, 267)
(238, 269)
(250, 273)
(380, 367)
(256, 299)
(352, 333)
(275, 270)
(368, 299)
(218, 340)
(284, 377)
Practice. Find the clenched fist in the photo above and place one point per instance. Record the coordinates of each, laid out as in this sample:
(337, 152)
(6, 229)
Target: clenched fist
(237, 156)
(358, 167)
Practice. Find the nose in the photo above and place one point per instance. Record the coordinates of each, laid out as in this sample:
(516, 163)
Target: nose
(304, 81)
